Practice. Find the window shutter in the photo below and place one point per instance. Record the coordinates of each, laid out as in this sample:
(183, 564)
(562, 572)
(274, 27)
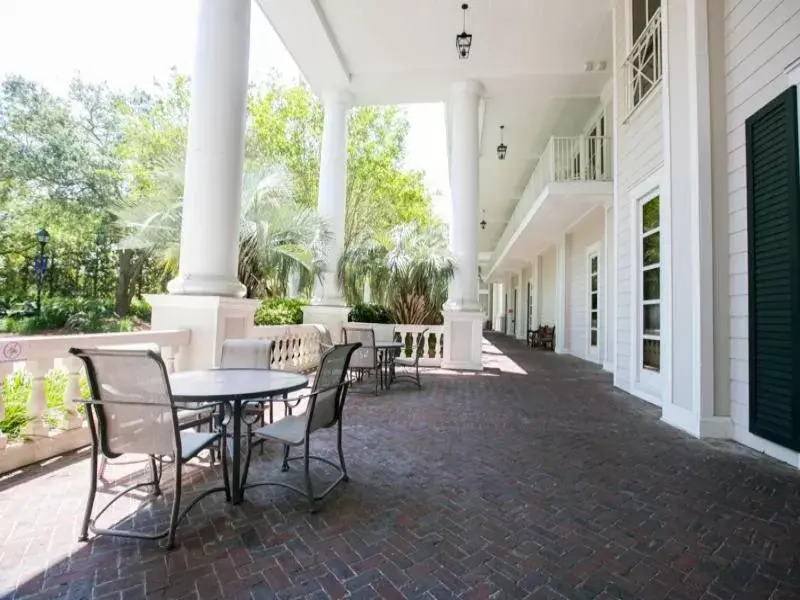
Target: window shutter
(774, 270)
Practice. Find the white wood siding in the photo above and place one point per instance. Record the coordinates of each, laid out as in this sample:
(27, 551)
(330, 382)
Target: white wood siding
(640, 153)
(548, 308)
(761, 38)
(587, 232)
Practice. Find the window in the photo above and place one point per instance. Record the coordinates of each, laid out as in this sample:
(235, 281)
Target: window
(594, 307)
(641, 13)
(650, 256)
(643, 67)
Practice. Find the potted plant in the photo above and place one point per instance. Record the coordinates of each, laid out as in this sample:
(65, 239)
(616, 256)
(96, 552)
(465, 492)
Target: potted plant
(375, 317)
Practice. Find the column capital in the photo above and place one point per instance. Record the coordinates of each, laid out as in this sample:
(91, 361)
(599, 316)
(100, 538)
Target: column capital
(340, 97)
(470, 87)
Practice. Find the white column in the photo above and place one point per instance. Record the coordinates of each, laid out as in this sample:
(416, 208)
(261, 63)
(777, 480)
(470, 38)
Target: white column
(536, 292)
(562, 257)
(609, 295)
(522, 305)
(463, 330)
(463, 290)
(206, 297)
(215, 153)
(687, 319)
(327, 306)
(331, 202)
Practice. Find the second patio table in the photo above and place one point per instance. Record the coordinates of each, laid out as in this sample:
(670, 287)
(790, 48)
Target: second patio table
(235, 387)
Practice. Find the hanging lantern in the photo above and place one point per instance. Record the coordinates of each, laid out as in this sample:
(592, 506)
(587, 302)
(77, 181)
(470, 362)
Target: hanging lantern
(502, 148)
(483, 221)
(464, 39)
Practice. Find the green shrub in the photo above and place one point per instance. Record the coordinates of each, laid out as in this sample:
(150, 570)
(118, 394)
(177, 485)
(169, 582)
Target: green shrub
(140, 309)
(280, 311)
(369, 313)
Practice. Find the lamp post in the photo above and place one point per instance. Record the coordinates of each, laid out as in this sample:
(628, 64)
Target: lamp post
(99, 242)
(40, 266)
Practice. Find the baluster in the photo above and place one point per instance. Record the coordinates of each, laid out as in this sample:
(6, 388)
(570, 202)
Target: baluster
(168, 354)
(5, 370)
(72, 392)
(37, 403)
(414, 342)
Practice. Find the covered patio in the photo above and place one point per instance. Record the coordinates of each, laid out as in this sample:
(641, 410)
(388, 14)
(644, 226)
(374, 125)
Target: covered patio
(532, 478)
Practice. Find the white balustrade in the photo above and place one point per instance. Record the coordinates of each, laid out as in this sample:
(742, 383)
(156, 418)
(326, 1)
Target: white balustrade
(38, 356)
(296, 347)
(432, 345)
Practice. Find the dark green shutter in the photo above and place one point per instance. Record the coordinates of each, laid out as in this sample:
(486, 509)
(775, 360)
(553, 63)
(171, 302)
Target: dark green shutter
(774, 270)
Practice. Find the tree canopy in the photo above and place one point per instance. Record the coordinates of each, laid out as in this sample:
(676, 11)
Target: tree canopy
(101, 170)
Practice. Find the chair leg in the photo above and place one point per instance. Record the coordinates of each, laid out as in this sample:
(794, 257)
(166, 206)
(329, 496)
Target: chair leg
(156, 476)
(87, 515)
(285, 465)
(345, 477)
(225, 477)
(102, 469)
(307, 474)
(176, 505)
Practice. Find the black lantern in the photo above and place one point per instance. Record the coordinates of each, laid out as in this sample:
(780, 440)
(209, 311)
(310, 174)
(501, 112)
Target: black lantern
(464, 39)
(502, 148)
(42, 237)
(483, 221)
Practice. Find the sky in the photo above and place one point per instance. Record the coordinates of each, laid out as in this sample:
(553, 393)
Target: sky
(133, 43)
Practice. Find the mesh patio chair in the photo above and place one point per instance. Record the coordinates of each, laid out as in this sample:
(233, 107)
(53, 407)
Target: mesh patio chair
(323, 409)
(409, 366)
(131, 411)
(249, 354)
(366, 360)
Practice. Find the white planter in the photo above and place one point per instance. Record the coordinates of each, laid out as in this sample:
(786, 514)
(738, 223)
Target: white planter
(384, 332)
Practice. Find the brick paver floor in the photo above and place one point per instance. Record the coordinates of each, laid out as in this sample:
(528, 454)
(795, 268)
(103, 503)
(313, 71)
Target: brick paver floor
(533, 479)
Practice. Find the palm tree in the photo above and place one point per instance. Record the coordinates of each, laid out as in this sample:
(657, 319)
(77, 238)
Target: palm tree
(408, 270)
(276, 235)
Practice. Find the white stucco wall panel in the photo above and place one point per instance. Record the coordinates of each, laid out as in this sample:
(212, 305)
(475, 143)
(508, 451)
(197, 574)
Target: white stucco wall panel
(640, 152)
(548, 297)
(586, 233)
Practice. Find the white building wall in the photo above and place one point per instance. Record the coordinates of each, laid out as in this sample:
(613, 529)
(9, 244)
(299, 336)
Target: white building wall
(547, 309)
(640, 154)
(586, 233)
(762, 37)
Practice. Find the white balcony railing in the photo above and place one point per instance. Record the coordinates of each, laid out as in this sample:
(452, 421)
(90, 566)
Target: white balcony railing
(39, 357)
(644, 66)
(565, 159)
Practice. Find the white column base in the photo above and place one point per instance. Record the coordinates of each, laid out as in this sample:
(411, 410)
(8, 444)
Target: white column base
(333, 318)
(694, 424)
(463, 338)
(206, 285)
(212, 320)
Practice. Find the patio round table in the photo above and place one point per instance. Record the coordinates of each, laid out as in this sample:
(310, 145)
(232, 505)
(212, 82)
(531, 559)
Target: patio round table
(235, 387)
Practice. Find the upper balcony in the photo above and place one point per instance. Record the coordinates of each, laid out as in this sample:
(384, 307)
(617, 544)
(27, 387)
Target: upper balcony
(573, 176)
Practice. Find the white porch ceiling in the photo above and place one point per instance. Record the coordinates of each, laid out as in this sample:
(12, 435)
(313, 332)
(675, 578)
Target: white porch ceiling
(530, 56)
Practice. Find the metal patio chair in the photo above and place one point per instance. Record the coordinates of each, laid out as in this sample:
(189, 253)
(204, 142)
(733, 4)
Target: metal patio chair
(131, 411)
(323, 409)
(410, 365)
(366, 360)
